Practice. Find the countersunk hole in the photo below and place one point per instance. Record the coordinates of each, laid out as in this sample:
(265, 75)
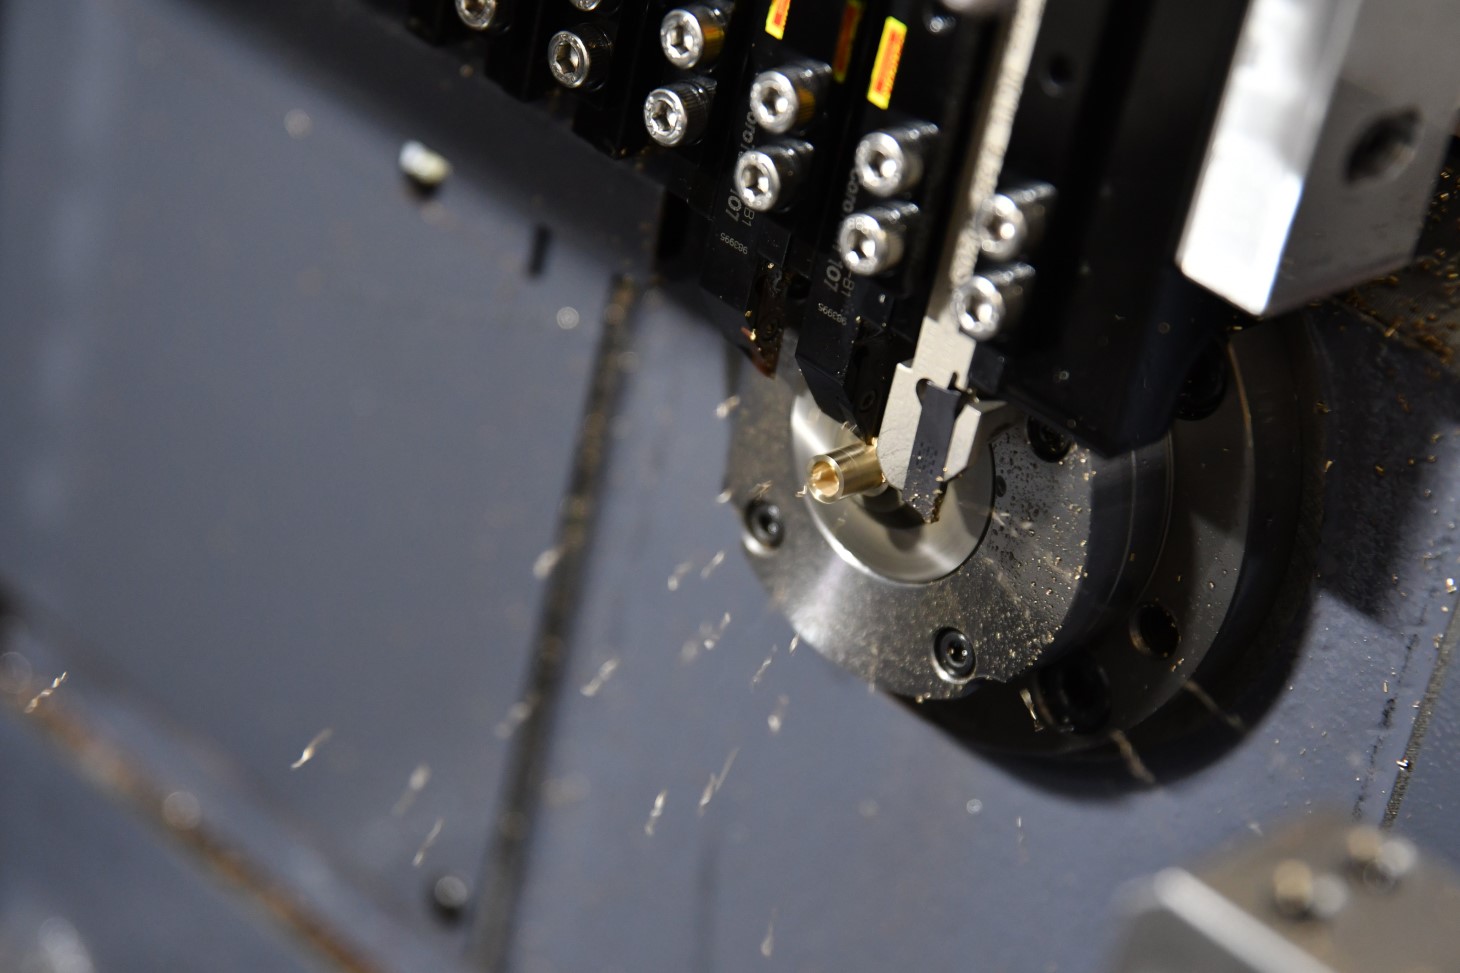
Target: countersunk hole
(1385, 147)
(1074, 694)
(764, 524)
(1153, 630)
(1048, 443)
(954, 655)
(1059, 71)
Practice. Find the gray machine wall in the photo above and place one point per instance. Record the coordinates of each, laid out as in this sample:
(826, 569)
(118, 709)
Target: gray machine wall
(284, 448)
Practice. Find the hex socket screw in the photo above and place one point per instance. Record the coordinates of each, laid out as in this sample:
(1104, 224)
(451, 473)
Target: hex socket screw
(785, 99)
(1011, 221)
(478, 14)
(677, 113)
(892, 160)
(579, 58)
(692, 36)
(874, 240)
(991, 302)
(769, 177)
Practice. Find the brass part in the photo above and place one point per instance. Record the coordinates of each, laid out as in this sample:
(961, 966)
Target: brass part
(845, 472)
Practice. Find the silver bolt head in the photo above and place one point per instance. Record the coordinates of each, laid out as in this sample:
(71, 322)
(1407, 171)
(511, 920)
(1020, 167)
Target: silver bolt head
(981, 308)
(477, 14)
(1299, 892)
(682, 37)
(587, 6)
(423, 166)
(883, 167)
(1380, 860)
(569, 59)
(665, 117)
(775, 101)
(758, 181)
(867, 245)
(1003, 228)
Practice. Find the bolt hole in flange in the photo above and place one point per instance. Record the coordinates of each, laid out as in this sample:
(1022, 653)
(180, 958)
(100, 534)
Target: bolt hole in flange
(1154, 630)
(764, 526)
(1385, 147)
(1074, 694)
(1048, 443)
(953, 653)
(1205, 385)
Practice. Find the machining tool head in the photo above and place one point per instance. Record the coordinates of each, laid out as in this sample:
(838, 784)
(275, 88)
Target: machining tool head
(1077, 591)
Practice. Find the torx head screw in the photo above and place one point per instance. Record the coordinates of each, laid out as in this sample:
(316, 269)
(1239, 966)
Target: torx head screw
(767, 178)
(873, 241)
(891, 161)
(579, 58)
(587, 6)
(677, 113)
(784, 99)
(991, 301)
(1379, 860)
(1010, 222)
(693, 35)
(477, 14)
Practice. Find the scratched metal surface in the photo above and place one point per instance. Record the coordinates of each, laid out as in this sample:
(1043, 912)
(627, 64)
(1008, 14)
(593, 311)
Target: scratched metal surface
(84, 887)
(281, 445)
(859, 837)
(1431, 797)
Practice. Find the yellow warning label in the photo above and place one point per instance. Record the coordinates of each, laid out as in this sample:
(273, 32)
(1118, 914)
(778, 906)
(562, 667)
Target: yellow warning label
(851, 20)
(775, 18)
(889, 56)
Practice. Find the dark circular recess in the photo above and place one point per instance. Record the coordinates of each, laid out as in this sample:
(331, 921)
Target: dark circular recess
(1048, 443)
(1059, 71)
(1206, 384)
(953, 652)
(764, 523)
(1154, 630)
(1074, 694)
(1385, 147)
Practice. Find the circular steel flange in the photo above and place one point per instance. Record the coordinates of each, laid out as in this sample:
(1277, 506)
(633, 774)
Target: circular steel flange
(1089, 588)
